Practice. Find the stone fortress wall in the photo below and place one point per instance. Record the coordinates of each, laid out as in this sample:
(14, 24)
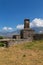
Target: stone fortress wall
(26, 35)
(27, 32)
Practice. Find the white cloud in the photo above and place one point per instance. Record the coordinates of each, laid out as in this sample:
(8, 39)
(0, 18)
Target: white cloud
(7, 28)
(4, 28)
(20, 26)
(10, 28)
(37, 23)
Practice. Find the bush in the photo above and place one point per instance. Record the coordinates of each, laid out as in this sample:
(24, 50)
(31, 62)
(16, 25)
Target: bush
(1, 44)
(1, 37)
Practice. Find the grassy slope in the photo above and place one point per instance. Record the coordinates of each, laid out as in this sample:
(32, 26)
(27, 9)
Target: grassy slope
(22, 54)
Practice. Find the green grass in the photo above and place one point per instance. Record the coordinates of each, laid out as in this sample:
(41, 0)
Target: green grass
(34, 45)
(38, 45)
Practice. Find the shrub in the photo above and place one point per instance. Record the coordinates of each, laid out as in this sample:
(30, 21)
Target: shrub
(1, 37)
(1, 44)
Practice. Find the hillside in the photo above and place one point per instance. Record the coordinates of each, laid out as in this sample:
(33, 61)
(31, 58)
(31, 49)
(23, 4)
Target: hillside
(30, 53)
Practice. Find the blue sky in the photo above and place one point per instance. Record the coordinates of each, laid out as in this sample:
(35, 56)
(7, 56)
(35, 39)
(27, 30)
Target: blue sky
(13, 12)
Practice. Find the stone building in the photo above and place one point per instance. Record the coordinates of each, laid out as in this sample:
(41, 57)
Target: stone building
(17, 36)
(38, 36)
(27, 32)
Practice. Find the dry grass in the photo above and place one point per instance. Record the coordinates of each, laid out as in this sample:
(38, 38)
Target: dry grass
(22, 54)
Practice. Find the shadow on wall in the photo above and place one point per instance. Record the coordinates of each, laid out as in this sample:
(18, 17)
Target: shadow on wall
(38, 37)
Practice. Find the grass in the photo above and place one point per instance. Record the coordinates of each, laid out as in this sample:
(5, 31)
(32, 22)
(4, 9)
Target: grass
(30, 53)
(34, 45)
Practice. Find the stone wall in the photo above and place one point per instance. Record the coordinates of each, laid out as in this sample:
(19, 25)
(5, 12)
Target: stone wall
(16, 36)
(27, 33)
(38, 37)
